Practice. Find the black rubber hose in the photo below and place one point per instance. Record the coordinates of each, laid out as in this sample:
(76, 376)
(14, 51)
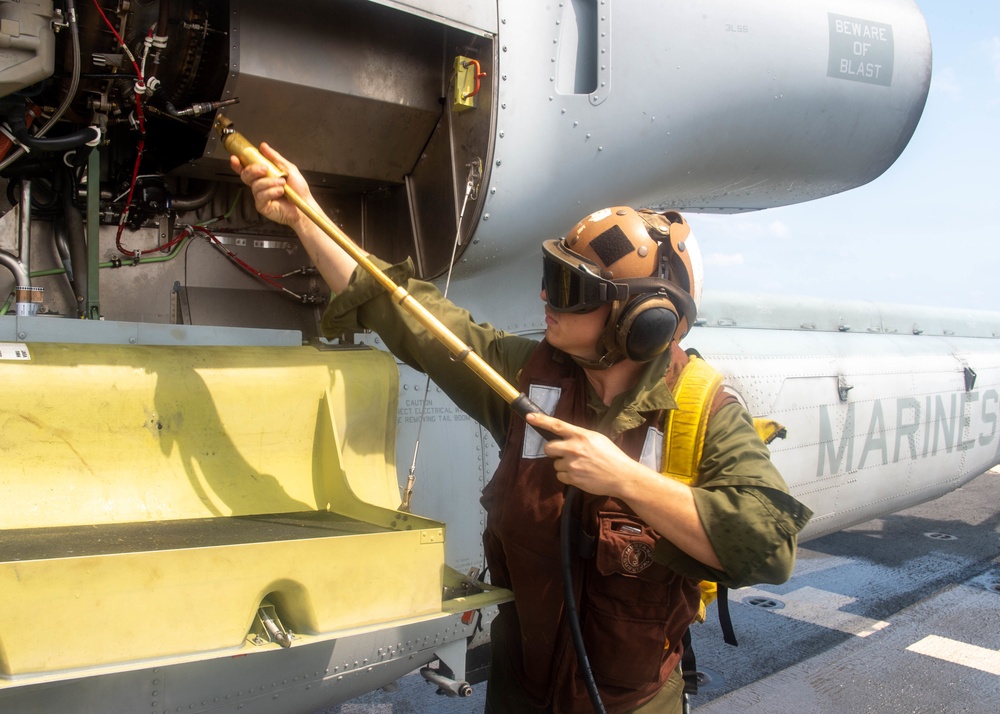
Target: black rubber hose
(59, 143)
(572, 614)
(524, 406)
(74, 84)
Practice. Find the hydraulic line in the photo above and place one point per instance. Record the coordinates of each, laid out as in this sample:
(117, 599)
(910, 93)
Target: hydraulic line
(77, 239)
(191, 203)
(268, 278)
(16, 267)
(175, 245)
(87, 136)
(24, 227)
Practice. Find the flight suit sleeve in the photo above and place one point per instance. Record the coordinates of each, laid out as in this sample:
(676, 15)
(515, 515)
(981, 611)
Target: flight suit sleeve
(365, 305)
(751, 519)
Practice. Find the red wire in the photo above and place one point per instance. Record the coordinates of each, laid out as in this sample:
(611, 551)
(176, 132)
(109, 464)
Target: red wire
(128, 205)
(118, 37)
(171, 243)
(141, 119)
(270, 279)
(266, 277)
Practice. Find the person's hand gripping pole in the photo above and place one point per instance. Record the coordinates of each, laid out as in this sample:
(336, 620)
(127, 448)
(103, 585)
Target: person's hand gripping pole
(237, 145)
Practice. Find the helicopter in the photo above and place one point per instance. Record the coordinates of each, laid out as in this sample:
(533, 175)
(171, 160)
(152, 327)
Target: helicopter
(207, 507)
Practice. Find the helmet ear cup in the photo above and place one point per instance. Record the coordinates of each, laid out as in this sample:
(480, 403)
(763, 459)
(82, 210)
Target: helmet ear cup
(646, 327)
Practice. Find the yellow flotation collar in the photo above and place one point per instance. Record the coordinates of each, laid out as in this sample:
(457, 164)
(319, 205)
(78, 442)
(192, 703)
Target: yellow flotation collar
(684, 436)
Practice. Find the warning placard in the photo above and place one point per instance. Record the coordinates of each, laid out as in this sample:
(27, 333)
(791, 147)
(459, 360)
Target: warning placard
(860, 50)
(14, 351)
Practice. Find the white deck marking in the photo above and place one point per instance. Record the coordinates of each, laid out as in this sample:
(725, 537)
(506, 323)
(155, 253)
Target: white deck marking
(956, 652)
(817, 607)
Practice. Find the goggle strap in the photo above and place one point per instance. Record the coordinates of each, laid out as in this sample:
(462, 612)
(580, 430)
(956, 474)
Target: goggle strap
(681, 298)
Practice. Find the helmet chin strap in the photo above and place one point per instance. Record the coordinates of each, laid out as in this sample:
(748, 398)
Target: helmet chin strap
(607, 341)
(603, 363)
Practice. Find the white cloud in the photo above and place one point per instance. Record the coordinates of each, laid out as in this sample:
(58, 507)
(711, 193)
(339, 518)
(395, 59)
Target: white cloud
(778, 229)
(723, 260)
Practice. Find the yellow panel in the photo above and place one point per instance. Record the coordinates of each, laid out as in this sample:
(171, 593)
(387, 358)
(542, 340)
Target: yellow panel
(142, 477)
(102, 434)
(82, 612)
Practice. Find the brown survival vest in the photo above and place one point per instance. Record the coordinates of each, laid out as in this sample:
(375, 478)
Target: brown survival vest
(634, 612)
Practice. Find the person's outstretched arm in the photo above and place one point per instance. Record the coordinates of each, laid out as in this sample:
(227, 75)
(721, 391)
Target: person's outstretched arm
(335, 265)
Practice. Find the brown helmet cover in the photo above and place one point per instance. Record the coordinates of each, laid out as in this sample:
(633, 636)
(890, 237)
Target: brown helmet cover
(628, 244)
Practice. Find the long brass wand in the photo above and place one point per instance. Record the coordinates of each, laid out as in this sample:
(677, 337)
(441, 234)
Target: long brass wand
(238, 145)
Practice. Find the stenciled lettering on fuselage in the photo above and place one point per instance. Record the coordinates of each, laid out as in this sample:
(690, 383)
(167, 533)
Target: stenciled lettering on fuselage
(924, 427)
(860, 50)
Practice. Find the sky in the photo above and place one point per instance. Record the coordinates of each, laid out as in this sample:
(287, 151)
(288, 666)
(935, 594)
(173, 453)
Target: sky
(926, 232)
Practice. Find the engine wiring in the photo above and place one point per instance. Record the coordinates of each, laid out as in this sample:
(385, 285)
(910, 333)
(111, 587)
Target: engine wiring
(140, 120)
(269, 278)
(143, 87)
(172, 248)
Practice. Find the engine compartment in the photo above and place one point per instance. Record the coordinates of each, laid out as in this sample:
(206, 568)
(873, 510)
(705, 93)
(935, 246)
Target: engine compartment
(358, 94)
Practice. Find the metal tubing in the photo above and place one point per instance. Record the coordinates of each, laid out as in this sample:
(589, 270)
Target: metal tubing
(449, 686)
(93, 310)
(24, 227)
(77, 243)
(20, 273)
(192, 203)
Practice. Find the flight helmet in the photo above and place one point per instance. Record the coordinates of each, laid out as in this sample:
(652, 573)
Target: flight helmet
(645, 264)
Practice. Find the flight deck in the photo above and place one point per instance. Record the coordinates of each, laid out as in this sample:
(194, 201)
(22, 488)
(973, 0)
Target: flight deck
(897, 615)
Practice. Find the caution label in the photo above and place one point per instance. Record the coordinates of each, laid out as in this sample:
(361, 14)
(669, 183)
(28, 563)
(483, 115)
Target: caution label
(14, 351)
(860, 50)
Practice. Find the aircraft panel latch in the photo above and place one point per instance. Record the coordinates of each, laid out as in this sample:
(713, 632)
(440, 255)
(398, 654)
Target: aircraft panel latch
(970, 379)
(843, 388)
(268, 627)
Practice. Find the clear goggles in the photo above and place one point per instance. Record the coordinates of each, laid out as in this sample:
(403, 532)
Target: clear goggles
(572, 283)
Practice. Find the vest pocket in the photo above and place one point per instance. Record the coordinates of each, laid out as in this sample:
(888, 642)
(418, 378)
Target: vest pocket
(624, 651)
(625, 548)
(635, 610)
